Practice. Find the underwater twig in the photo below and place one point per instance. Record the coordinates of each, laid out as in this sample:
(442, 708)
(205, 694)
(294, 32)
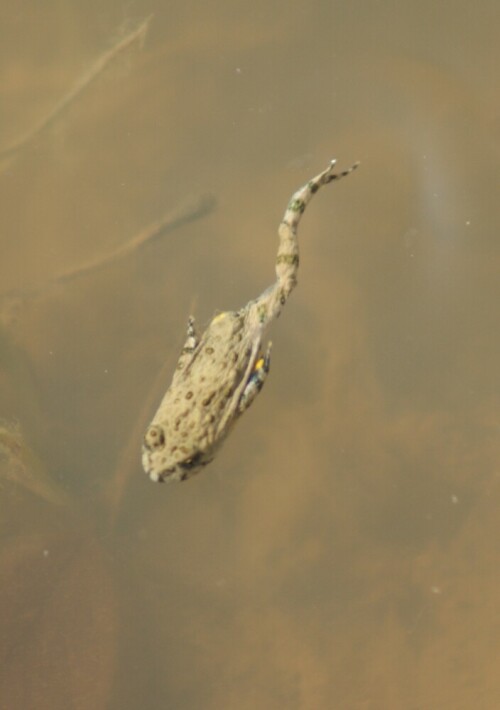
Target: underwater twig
(21, 466)
(83, 82)
(194, 209)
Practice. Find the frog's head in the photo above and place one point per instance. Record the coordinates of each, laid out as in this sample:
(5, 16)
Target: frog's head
(163, 465)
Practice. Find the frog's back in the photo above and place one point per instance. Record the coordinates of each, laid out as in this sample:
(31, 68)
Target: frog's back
(209, 380)
(201, 403)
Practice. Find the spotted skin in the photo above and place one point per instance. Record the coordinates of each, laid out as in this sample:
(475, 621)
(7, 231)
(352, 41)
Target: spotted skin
(219, 375)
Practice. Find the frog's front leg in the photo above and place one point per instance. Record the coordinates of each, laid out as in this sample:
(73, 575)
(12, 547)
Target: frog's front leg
(192, 338)
(188, 348)
(256, 380)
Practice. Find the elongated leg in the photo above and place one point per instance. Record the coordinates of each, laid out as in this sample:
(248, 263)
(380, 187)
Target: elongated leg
(270, 303)
(287, 261)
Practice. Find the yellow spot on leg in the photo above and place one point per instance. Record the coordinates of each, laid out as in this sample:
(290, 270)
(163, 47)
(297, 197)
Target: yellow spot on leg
(259, 364)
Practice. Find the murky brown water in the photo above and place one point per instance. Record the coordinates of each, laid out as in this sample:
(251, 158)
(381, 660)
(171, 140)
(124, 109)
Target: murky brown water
(342, 552)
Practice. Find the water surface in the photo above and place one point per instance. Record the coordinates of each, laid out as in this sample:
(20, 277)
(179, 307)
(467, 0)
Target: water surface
(342, 551)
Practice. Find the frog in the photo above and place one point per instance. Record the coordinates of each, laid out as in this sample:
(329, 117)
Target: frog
(220, 373)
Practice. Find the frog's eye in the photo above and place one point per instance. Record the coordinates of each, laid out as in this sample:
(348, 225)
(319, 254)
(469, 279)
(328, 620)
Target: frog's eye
(154, 438)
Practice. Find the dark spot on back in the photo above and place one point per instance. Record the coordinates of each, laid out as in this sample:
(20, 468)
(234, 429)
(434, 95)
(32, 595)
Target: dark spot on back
(208, 399)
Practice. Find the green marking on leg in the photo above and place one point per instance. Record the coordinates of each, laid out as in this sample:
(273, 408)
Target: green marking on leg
(291, 259)
(296, 205)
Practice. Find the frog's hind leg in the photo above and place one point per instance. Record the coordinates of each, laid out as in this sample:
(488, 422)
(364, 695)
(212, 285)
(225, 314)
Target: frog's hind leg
(256, 380)
(287, 261)
(269, 304)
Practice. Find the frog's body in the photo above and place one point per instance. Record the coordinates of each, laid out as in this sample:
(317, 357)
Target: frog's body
(219, 375)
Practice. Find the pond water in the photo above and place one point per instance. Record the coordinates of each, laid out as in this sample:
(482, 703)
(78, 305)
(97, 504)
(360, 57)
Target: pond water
(342, 550)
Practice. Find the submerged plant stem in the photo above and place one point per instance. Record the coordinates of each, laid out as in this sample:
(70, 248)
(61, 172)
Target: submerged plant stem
(196, 208)
(21, 466)
(193, 209)
(83, 82)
